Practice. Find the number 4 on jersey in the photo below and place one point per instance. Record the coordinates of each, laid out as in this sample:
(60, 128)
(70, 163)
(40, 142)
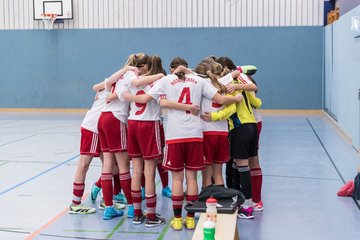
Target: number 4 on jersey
(185, 94)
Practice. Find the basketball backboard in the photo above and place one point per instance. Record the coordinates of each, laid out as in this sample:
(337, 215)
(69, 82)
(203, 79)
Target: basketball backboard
(62, 8)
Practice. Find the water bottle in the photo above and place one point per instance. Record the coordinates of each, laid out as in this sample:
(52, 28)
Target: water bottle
(211, 211)
(209, 230)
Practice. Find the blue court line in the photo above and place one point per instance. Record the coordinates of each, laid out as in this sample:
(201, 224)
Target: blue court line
(38, 175)
(18, 140)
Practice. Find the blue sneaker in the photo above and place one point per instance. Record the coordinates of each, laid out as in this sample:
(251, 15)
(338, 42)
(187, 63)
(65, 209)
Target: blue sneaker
(166, 192)
(111, 212)
(120, 198)
(143, 193)
(94, 192)
(131, 211)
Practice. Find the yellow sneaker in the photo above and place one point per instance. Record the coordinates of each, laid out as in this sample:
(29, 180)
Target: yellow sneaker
(189, 223)
(176, 224)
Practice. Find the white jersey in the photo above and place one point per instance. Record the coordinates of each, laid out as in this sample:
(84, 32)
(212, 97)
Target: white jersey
(183, 126)
(144, 111)
(257, 115)
(119, 107)
(207, 105)
(91, 118)
(244, 78)
(225, 80)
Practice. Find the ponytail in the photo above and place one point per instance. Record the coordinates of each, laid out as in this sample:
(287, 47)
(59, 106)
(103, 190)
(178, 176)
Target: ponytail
(215, 82)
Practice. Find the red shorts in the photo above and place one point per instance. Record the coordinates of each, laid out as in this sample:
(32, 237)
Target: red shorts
(144, 139)
(216, 149)
(112, 133)
(89, 143)
(188, 155)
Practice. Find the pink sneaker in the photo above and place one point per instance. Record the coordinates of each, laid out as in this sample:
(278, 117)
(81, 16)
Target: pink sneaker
(343, 192)
(350, 190)
(245, 213)
(258, 207)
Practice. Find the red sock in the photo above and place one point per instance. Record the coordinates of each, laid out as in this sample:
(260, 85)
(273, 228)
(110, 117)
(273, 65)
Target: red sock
(177, 202)
(136, 197)
(151, 207)
(98, 183)
(256, 184)
(125, 182)
(191, 198)
(107, 188)
(117, 186)
(164, 177)
(78, 192)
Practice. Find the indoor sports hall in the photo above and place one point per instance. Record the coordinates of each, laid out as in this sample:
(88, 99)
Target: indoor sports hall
(306, 54)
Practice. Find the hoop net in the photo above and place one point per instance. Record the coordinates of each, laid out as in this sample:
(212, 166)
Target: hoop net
(49, 19)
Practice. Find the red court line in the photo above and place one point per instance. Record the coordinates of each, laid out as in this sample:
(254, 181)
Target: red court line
(54, 219)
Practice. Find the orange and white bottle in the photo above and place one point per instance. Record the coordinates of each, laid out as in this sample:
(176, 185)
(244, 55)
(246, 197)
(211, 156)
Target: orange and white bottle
(211, 211)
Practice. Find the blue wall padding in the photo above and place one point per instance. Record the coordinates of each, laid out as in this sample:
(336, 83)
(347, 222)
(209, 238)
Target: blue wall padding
(56, 69)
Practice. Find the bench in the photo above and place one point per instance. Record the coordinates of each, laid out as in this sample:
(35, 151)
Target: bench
(226, 227)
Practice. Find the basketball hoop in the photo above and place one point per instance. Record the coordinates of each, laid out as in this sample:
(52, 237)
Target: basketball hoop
(49, 19)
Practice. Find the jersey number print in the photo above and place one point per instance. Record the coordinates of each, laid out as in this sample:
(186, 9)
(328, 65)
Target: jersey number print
(142, 106)
(185, 94)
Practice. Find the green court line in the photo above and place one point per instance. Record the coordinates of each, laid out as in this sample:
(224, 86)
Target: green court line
(167, 227)
(138, 232)
(164, 231)
(4, 162)
(83, 230)
(116, 228)
(7, 228)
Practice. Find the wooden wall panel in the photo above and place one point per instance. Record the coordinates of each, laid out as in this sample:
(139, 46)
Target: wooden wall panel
(102, 14)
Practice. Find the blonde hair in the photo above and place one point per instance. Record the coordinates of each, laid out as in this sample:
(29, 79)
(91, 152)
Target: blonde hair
(137, 59)
(212, 70)
(155, 65)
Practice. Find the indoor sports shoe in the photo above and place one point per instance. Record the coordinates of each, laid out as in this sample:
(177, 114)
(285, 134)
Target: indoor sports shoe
(177, 224)
(131, 211)
(117, 206)
(245, 213)
(189, 223)
(349, 191)
(155, 222)
(139, 219)
(258, 207)
(111, 212)
(247, 69)
(94, 192)
(120, 198)
(166, 192)
(81, 209)
(343, 191)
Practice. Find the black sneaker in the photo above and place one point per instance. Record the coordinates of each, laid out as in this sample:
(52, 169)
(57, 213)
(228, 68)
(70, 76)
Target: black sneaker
(139, 219)
(154, 223)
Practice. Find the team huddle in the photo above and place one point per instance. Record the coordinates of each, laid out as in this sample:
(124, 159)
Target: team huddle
(183, 122)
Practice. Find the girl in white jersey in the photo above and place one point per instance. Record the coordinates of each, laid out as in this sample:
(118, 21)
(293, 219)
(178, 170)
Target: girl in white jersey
(113, 138)
(89, 148)
(216, 144)
(144, 144)
(184, 133)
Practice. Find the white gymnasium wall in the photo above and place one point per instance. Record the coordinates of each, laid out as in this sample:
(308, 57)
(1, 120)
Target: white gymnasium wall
(93, 14)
